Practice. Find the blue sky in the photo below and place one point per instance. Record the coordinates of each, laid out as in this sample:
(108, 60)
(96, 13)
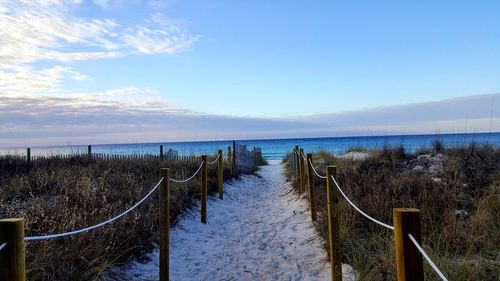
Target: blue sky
(262, 61)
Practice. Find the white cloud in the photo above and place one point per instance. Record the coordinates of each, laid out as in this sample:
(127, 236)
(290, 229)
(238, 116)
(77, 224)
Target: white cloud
(159, 35)
(139, 114)
(159, 4)
(45, 30)
(108, 4)
(26, 80)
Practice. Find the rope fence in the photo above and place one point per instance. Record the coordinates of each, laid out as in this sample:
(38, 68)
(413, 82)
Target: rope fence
(359, 210)
(74, 232)
(406, 222)
(427, 258)
(315, 171)
(12, 251)
(215, 161)
(190, 178)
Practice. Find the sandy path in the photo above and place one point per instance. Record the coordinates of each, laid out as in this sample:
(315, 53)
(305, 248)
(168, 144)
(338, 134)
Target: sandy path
(260, 231)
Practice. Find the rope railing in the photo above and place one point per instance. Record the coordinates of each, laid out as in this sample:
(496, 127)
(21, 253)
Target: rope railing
(13, 228)
(359, 210)
(70, 233)
(215, 161)
(190, 178)
(315, 171)
(397, 211)
(427, 258)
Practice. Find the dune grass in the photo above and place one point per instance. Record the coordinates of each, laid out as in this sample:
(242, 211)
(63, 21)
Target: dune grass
(459, 202)
(59, 195)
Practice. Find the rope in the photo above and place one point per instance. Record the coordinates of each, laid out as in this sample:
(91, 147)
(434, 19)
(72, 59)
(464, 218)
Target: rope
(303, 156)
(190, 178)
(33, 238)
(3, 246)
(316, 172)
(427, 258)
(359, 210)
(215, 161)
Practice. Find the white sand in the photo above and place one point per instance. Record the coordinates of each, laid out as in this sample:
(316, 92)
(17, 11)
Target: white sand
(260, 231)
(354, 155)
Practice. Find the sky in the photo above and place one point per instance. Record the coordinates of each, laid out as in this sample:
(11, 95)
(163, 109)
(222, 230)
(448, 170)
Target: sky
(114, 71)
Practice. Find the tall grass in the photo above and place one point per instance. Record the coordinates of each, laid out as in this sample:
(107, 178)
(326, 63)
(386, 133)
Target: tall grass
(465, 247)
(59, 195)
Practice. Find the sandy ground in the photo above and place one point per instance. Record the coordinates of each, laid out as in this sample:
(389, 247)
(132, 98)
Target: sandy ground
(260, 231)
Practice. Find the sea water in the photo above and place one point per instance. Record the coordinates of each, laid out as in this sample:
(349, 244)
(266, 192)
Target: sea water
(271, 148)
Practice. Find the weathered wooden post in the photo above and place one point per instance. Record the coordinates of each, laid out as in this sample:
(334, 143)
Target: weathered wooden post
(220, 174)
(233, 167)
(89, 151)
(229, 160)
(12, 256)
(296, 159)
(310, 183)
(301, 170)
(333, 224)
(161, 152)
(28, 154)
(408, 258)
(164, 224)
(204, 189)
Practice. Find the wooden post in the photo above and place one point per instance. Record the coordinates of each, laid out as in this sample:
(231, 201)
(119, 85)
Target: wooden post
(28, 154)
(89, 151)
(296, 164)
(408, 258)
(161, 152)
(229, 161)
(220, 174)
(301, 170)
(310, 183)
(233, 167)
(204, 189)
(12, 257)
(333, 224)
(164, 224)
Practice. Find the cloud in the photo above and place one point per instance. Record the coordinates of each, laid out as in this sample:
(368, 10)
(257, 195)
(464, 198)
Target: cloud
(50, 30)
(159, 35)
(115, 116)
(140, 115)
(479, 113)
(108, 4)
(26, 80)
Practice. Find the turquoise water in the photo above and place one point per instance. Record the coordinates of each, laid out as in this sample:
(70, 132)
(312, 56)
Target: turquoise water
(271, 149)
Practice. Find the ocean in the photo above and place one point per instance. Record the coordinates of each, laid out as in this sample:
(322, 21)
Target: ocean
(271, 148)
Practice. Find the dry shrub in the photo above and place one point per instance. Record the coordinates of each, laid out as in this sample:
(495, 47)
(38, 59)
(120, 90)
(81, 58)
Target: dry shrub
(465, 248)
(58, 195)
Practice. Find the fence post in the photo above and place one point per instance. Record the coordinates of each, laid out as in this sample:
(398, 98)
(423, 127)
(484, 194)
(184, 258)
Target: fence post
(233, 167)
(333, 224)
(204, 187)
(89, 151)
(310, 182)
(220, 174)
(295, 163)
(12, 257)
(408, 258)
(164, 224)
(28, 154)
(229, 161)
(161, 152)
(301, 170)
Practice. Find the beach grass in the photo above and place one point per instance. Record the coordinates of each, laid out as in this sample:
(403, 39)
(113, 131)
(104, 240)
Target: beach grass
(456, 189)
(58, 195)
